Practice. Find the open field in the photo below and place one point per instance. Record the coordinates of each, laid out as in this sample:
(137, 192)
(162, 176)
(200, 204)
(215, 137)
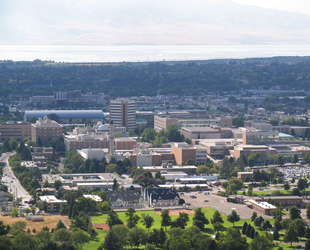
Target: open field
(49, 221)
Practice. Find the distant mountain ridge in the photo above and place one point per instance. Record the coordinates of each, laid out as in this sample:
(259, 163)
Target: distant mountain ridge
(142, 22)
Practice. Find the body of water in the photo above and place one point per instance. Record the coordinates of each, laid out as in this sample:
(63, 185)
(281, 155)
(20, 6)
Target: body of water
(143, 53)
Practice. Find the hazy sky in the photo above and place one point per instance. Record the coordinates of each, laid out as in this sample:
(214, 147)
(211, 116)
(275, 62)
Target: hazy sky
(301, 6)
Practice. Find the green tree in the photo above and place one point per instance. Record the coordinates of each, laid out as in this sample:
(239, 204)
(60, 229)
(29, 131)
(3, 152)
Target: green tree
(295, 158)
(244, 227)
(286, 186)
(113, 219)
(59, 225)
(33, 119)
(61, 235)
(104, 207)
(306, 158)
(57, 184)
(234, 240)
(294, 213)
(290, 236)
(137, 236)
(112, 241)
(132, 218)
(79, 238)
(302, 184)
(254, 215)
(261, 242)
(43, 238)
(24, 240)
(122, 233)
(233, 217)
(115, 184)
(276, 235)
(148, 221)
(307, 232)
(165, 219)
(200, 219)
(130, 133)
(14, 212)
(307, 245)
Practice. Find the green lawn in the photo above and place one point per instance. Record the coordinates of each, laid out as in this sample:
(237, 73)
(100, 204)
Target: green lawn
(209, 211)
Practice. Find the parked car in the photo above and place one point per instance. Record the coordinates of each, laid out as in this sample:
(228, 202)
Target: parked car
(206, 201)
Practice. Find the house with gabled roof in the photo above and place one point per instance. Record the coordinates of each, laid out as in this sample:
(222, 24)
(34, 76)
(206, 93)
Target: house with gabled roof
(160, 197)
(125, 199)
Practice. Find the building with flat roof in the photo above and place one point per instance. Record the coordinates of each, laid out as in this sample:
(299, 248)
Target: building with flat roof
(243, 175)
(201, 132)
(53, 204)
(67, 115)
(258, 137)
(171, 168)
(183, 152)
(246, 150)
(74, 180)
(15, 130)
(262, 207)
(123, 113)
(46, 130)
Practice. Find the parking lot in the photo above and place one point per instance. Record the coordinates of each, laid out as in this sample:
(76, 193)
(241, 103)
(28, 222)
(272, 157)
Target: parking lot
(219, 203)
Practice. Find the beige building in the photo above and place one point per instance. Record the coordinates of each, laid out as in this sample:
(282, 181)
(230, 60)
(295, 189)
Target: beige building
(201, 132)
(246, 150)
(258, 137)
(164, 122)
(53, 204)
(46, 130)
(17, 131)
(123, 113)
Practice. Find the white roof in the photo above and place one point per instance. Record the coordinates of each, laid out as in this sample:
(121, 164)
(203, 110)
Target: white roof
(93, 196)
(51, 199)
(262, 204)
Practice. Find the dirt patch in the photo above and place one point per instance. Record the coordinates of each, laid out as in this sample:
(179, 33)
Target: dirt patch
(50, 221)
(102, 226)
(176, 212)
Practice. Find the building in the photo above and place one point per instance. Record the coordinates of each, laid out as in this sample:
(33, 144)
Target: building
(123, 113)
(201, 132)
(246, 150)
(15, 130)
(258, 137)
(46, 152)
(125, 199)
(53, 204)
(262, 207)
(46, 130)
(78, 180)
(160, 197)
(243, 175)
(183, 152)
(67, 115)
(164, 122)
(170, 168)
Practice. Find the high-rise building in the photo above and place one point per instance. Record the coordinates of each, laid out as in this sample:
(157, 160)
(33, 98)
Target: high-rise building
(46, 130)
(123, 113)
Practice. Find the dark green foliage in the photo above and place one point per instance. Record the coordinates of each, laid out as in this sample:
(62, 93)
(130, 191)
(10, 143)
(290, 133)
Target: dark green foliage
(113, 219)
(252, 234)
(276, 235)
(254, 215)
(165, 219)
(133, 219)
(233, 217)
(200, 219)
(294, 213)
(245, 225)
(248, 230)
(258, 221)
(112, 242)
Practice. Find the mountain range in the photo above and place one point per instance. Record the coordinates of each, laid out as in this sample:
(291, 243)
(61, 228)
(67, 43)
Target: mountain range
(136, 22)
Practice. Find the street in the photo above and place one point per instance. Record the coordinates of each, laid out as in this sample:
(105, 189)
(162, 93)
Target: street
(12, 182)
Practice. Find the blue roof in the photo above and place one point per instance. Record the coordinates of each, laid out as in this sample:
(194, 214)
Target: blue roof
(66, 114)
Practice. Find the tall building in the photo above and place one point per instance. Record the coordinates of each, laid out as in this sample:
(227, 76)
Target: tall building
(15, 130)
(46, 130)
(123, 113)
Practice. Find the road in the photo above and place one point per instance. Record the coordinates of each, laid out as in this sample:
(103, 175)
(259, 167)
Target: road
(11, 181)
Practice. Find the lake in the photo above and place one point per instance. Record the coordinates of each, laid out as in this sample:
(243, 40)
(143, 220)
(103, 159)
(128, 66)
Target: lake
(143, 53)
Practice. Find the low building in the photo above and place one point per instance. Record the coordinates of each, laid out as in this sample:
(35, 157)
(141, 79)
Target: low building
(170, 168)
(125, 199)
(201, 132)
(160, 197)
(47, 152)
(94, 197)
(15, 130)
(82, 179)
(53, 204)
(261, 206)
(243, 175)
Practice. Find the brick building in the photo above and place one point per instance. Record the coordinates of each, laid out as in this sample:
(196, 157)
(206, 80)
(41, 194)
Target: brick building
(15, 130)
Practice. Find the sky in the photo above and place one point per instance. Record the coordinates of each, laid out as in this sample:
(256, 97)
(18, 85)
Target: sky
(301, 6)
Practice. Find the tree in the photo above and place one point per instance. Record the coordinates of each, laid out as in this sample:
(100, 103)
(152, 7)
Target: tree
(261, 242)
(307, 245)
(62, 235)
(104, 207)
(266, 225)
(59, 225)
(122, 233)
(295, 158)
(24, 240)
(165, 219)
(115, 184)
(14, 212)
(233, 239)
(33, 119)
(296, 192)
(234, 184)
(158, 175)
(248, 230)
(57, 184)
(276, 235)
(274, 181)
(6, 146)
(245, 225)
(217, 227)
(200, 219)
(54, 117)
(133, 218)
(113, 219)
(290, 235)
(308, 211)
(137, 236)
(307, 233)
(300, 230)
(79, 238)
(306, 158)
(294, 213)
(286, 185)
(43, 238)
(148, 221)
(254, 215)
(252, 234)
(112, 241)
(233, 217)
(130, 133)
(302, 184)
